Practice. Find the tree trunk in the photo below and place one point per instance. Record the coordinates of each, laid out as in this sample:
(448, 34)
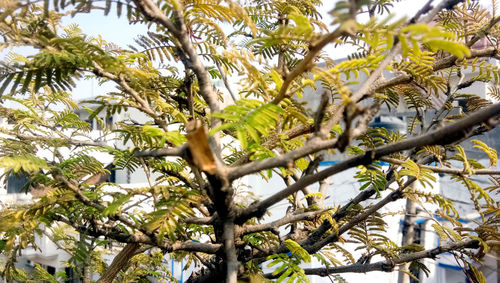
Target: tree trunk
(87, 275)
(119, 262)
(86, 270)
(230, 251)
(408, 236)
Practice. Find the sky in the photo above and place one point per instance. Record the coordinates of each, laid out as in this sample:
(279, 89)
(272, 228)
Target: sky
(119, 31)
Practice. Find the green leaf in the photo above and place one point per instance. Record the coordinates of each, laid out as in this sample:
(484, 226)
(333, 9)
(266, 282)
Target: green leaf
(38, 80)
(107, 8)
(297, 250)
(3, 243)
(153, 131)
(454, 48)
(491, 152)
(119, 6)
(27, 163)
(338, 129)
(440, 231)
(43, 275)
(404, 45)
(477, 274)
(303, 25)
(277, 79)
(113, 207)
(280, 269)
(94, 112)
(175, 137)
(17, 81)
(425, 176)
(284, 275)
(27, 81)
(6, 82)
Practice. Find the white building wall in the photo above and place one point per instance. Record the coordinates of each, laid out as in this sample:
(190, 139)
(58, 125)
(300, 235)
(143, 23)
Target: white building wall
(343, 187)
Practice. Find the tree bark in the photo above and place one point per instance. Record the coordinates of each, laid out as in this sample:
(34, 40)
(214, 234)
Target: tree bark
(230, 251)
(87, 274)
(119, 262)
(408, 235)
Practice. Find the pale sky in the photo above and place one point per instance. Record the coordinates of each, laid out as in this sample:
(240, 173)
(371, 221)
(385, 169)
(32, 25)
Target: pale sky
(118, 30)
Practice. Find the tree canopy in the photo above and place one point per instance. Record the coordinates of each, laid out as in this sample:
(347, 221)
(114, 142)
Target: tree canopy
(198, 139)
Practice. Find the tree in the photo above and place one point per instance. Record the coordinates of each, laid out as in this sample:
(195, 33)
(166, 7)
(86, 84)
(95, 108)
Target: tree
(192, 149)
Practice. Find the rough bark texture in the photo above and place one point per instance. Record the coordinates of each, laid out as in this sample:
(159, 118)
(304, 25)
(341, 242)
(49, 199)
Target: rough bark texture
(408, 236)
(119, 262)
(87, 274)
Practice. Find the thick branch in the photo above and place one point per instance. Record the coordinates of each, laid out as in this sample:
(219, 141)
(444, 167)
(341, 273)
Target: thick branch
(388, 265)
(199, 220)
(445, 135)
(139, 238)
(120, 260)
(290, 218)
(314, 145)
(176, 151)
(232, 264)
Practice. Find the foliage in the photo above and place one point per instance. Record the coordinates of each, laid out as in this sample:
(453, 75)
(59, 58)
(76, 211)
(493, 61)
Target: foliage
(229, 85)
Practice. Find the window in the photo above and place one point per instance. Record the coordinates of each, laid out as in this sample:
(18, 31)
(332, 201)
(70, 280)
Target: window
(51, 270)
(16, 183)
(109, 123)
(98, 125)
(91, 122)
(112, 176)
(418, 237)
(463, 104)
(71, 275)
